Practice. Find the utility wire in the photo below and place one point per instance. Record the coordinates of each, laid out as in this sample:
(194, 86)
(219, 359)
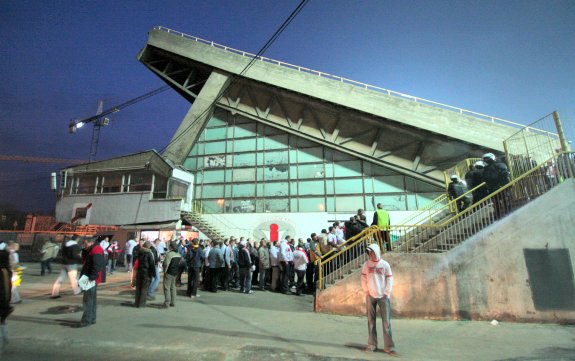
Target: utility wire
(266, 46)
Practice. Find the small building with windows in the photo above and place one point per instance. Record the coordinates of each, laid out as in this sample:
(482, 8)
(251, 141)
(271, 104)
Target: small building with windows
(135, 190)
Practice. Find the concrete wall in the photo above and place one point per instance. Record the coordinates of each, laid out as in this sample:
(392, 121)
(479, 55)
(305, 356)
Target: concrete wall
(484, 278)
(434, 119)
(118, 209)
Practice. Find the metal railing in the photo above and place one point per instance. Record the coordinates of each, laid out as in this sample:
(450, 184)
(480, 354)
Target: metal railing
(349, 256)
(340, 79)
(418, 238)
(427, 213)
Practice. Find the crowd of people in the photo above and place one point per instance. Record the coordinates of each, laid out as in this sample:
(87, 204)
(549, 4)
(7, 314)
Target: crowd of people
(493, 173)
(286, 266)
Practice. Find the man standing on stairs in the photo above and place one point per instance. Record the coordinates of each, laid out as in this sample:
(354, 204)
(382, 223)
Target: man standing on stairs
(496, 176)
(377, 282)
(381, 219)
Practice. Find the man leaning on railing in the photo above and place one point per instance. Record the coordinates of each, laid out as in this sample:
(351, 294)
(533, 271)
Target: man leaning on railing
(381, 219)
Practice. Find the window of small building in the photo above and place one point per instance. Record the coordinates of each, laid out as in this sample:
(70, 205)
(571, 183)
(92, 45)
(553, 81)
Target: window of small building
(112, 183)
(81, 212)
(140, 182)
(160, 187)
(177, 189)
(86, 184)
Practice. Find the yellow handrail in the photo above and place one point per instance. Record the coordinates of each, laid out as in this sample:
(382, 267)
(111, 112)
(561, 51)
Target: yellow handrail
(437, 201)
(371, 234)
(459, 227)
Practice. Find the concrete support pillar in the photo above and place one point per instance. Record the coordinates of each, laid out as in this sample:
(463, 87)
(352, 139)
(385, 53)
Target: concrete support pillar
(196, 118)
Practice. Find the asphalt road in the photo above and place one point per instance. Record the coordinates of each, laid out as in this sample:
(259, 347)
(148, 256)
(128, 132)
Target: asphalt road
(261, 326)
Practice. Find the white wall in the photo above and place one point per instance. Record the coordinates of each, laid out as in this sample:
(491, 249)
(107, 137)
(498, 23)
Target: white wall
(118, 209)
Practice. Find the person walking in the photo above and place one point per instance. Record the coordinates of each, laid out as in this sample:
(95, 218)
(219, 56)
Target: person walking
(377, 282)
(264, 263)
(171, 267)
(71, 257)
(195, 259)
(92, 268)
(300, 261)
(456, 189)
(145, 272)
(48, 252)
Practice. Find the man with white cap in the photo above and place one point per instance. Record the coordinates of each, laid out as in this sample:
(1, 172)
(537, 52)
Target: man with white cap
(496, 176)
(456, 189)
(474, 178)
(377, 282)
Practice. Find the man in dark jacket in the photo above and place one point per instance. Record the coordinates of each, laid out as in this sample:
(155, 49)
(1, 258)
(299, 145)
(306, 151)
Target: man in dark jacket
(195, 260)
(245, 264)
(146, 271)
(496, 176)
(92, 266)
(171, 268)
(217, 263)
(456, 189)
(71, 257)
(474, 178)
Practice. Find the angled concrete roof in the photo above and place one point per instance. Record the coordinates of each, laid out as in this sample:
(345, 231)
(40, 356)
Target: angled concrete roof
(149, 159)
(488, 133)
(416, 137)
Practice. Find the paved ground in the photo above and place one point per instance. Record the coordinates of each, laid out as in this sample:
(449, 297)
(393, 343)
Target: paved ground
(262, 326)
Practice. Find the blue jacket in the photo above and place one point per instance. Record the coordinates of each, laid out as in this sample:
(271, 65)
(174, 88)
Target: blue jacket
(195, 257)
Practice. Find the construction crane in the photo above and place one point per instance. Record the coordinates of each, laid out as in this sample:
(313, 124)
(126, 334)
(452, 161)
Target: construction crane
(99, 120)
(20, 158)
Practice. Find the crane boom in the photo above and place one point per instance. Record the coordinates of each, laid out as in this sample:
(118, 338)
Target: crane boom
(21, 158)
(117, 108)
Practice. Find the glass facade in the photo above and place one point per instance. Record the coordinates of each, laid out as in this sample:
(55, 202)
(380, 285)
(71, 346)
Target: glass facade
(243, 166)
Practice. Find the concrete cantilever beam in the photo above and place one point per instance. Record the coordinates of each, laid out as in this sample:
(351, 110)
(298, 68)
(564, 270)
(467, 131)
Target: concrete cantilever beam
(415, 139)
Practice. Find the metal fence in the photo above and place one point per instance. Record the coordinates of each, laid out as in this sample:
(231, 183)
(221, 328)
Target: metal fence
(531, 146)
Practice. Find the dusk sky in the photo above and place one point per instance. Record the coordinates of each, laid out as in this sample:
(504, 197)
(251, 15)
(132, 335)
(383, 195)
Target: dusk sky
(510, 59)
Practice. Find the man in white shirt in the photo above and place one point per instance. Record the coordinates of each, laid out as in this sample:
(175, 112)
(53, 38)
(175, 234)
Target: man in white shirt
(129, 249)
(377, 282)
(339, 235)
(105, 243)
(275, 263)
(285, 256)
